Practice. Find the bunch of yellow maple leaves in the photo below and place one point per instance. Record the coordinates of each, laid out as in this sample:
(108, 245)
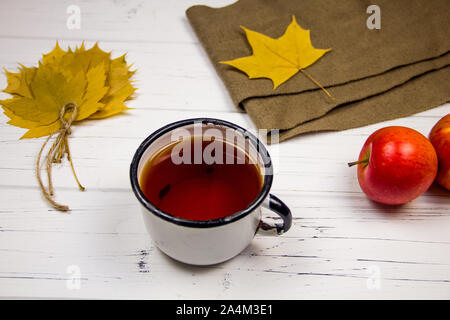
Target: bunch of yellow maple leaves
(66, 86)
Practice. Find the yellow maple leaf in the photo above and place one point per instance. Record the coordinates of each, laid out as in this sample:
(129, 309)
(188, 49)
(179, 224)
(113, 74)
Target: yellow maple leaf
(278, 59)
(18, 83)
(115, 103)
(53, 88)
(120, 89)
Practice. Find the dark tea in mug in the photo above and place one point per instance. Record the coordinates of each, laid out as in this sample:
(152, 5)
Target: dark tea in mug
(188, 185)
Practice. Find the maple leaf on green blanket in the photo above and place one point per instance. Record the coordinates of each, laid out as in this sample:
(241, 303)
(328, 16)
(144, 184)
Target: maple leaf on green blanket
(279, 59)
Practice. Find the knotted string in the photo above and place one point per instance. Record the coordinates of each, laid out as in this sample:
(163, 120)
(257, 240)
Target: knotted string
(59, 147)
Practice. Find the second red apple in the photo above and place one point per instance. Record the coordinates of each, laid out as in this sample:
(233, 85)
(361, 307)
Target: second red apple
(440, 138)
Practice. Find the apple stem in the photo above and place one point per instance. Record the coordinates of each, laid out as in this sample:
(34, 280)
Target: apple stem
(364, 161)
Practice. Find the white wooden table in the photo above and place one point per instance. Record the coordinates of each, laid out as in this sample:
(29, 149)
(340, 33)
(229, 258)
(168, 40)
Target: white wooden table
(341, 245)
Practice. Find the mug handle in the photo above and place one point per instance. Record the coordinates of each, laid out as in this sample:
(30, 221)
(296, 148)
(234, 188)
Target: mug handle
(276, 205)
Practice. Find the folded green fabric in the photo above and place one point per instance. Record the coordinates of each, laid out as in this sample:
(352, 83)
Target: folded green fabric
(364, 67)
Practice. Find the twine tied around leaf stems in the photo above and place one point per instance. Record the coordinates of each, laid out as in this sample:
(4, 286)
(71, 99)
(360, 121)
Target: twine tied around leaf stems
(56, 152)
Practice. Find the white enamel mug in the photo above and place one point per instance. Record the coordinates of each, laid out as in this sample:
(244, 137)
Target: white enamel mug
(207, 242)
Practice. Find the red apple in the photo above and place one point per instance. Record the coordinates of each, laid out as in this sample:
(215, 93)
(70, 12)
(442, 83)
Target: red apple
(396, 165)
(440, 139)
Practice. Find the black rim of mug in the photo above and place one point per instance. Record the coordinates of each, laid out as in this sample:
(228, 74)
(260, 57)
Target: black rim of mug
(262, 151)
